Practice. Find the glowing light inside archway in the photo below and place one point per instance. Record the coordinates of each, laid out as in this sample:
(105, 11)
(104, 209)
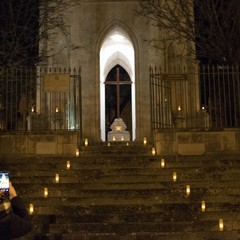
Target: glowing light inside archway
(116, 49)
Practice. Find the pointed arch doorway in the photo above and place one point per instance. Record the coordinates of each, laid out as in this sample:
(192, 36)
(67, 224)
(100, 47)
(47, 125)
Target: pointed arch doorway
(118, 98)
(117, 52)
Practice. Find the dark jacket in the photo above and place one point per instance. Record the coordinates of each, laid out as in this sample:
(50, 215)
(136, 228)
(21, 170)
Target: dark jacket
(14, 221)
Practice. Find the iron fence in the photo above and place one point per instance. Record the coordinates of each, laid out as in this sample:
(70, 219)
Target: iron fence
(40, 99)
(50, 99)
(208, 98)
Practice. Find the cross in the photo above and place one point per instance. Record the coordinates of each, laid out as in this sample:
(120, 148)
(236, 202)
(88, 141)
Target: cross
(118, 82)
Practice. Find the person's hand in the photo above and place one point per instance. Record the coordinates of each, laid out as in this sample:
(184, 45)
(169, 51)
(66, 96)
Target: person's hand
(2, 193)
(12, 191)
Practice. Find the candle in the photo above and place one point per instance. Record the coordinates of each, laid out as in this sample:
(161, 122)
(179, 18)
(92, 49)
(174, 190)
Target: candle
(57, 178)
(114, 138)
(32, 110)
(45, 192)
(77, 152)
(86, 142)
(221, 225)
(144, 140)
(56, 109)
(188, 190)
(68, 165)
(179, 108)
(162, 163)
(122, 138)
(203, 206)
(127, 143)
(31, 208)
(153, 151)
(118, 128)
(174, 176)
(109, 144)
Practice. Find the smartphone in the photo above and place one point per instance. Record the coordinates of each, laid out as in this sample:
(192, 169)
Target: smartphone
(4, 182)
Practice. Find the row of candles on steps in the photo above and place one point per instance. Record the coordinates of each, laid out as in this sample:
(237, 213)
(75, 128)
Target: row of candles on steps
(45, 190)
(188, 191)
(174, 178)
(109, 144)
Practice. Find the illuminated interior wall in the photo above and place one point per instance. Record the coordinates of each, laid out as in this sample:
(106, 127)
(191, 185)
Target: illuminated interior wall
(116, 49)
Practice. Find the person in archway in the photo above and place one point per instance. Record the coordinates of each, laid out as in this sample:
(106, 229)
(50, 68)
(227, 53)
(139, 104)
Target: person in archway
(14, 218)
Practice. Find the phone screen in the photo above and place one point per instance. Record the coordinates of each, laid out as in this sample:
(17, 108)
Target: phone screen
(4, 182)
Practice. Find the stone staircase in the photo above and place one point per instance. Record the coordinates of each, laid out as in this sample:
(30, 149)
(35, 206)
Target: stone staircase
(122, 192)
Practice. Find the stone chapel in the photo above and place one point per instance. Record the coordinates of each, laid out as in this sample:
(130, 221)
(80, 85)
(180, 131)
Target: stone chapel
(106, 37)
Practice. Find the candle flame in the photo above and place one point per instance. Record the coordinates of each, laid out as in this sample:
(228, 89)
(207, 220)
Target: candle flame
(31, 208)
(57, 178)
(45, 193)
(203, 206)
(221, 225)
(188, 190)
(68, 164)
(162, 163)
(153, 151)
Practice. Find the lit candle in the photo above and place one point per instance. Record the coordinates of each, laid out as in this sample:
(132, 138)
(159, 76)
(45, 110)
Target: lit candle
(203, 206)
(162, 163)
(68, 165)
(31, 208)
(109, 144)
(122, 138)
(179, 108)
(127, 143)
(77, 152)
(188, 190)
(221, 225)
(45, 192)
(144, 140)
(153, 151)
(174, 176)
(32, 110)
(118, 128)
(86, 142)
(56, 109)
(114, 138)
(203, 107)
(57, 178)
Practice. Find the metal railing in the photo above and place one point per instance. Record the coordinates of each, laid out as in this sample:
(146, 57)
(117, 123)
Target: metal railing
(208, 98)
(40, 99)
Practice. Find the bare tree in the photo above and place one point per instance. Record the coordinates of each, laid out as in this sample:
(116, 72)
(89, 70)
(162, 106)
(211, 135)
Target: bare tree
(24, 23)
(213, 25)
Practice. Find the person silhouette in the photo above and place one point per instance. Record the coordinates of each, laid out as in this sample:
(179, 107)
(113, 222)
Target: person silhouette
(14, 218)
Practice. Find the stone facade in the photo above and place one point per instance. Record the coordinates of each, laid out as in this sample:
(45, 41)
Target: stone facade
(90, 24)
(56, 144)
(197, 143)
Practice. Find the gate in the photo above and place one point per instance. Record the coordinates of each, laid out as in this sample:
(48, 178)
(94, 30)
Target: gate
(40, 99)
(206, 99)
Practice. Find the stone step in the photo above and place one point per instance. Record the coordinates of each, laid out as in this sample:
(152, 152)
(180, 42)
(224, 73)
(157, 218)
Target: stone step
(145, 165)
(117, 147)
(123, 228)
(219, 186)
(230, 201)
(167, 212)
(121, 192)
(142, 227)
(186, 235)
(125, 175)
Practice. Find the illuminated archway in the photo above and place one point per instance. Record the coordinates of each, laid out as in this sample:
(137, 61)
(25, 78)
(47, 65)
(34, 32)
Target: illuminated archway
(116, 49)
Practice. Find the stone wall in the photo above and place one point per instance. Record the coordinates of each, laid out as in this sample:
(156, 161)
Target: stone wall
(197, 143)
(50, 143)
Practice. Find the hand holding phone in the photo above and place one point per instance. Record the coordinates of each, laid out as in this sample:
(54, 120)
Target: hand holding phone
(4, 182)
